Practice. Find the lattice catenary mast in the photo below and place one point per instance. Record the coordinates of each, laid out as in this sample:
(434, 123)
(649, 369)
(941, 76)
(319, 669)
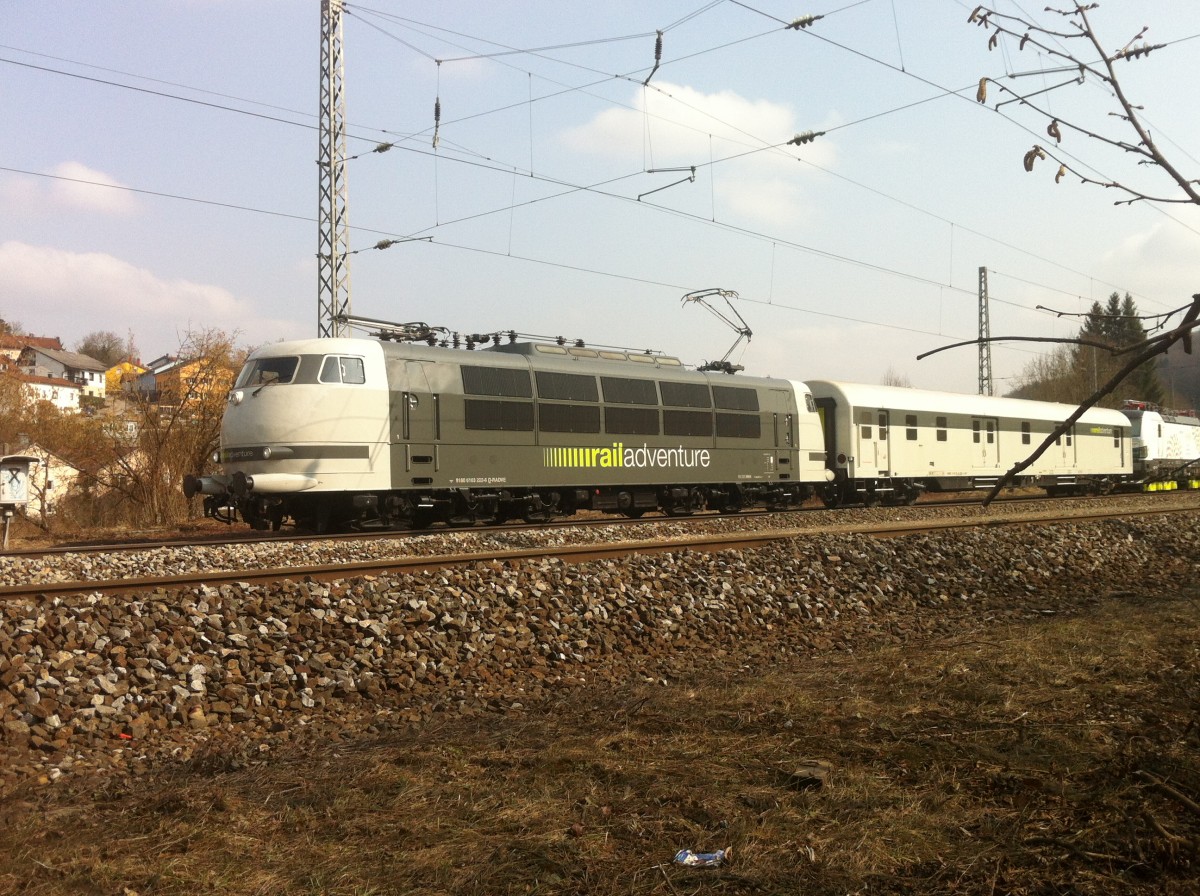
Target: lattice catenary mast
(333, 256)
(985, 332)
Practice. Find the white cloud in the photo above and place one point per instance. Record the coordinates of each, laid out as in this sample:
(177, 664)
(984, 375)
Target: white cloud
(84, 188)
(677, 125)
(55, 292)
(1159, 261)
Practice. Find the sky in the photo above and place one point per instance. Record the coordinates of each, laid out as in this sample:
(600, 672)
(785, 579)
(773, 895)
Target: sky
(158, 175)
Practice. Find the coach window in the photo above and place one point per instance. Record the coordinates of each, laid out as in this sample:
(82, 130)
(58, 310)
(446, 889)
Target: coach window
(941, 428)
(975, 431)
(991, 432)
(1024, 433)
(910, 424)
(883, 427)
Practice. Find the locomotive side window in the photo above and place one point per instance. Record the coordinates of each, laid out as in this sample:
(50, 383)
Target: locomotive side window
(501, 416)
(512, 382)
(631, 421)
(809, 404)
(739, 426)
(568, 418)
(265, 371)
(687, 423)
(910, 423)
(566, 387)
(623, 390)
(343, 370)
(734, 398)
(686, 395)
(940, 423)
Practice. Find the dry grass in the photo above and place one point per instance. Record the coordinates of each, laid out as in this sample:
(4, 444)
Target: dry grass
(1052, 757)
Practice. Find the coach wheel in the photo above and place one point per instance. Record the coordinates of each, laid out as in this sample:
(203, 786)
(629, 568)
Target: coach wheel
(831, 495)
(870, 499)
(634, 513)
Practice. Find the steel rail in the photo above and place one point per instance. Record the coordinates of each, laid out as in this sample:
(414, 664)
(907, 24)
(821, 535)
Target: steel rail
(158, 586)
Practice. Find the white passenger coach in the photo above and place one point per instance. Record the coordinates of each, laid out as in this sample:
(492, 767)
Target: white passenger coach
(889, 444)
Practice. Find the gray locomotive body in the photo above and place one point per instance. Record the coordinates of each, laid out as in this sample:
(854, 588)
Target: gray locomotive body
(360, 433)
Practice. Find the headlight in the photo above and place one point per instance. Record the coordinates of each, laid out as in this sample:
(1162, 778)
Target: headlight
(266, 453)
(215, 457)
(236, 397)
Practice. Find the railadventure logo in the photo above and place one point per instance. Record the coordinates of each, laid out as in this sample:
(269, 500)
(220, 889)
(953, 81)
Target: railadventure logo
(617, 455)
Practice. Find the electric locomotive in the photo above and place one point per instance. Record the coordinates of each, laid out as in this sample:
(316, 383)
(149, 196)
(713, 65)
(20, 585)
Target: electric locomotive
(341, 433)
(1166, 446)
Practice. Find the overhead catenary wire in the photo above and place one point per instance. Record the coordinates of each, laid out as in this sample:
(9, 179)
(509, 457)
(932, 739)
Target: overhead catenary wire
(229, 205)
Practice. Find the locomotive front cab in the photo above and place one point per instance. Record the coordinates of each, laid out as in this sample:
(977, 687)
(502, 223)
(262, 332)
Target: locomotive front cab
(303, 420)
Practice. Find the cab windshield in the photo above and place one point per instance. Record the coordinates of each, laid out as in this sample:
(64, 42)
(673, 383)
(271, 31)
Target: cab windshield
(266, 371)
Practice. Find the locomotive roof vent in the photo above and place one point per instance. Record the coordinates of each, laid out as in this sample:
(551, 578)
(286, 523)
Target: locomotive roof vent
(581, 351)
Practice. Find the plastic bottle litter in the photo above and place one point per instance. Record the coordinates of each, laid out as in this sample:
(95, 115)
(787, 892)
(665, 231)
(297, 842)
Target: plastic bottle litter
(702, 859)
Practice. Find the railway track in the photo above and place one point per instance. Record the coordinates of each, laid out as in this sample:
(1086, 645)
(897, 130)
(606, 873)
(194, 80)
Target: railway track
(250, 537)
(742, 540)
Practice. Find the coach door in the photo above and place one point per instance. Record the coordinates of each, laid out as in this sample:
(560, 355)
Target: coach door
(1065, 445)
(420, 420)
(873, 453)
(983, 440)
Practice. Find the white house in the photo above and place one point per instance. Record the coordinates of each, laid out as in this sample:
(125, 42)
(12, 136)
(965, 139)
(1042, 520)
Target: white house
(72, 366)
(61, 393)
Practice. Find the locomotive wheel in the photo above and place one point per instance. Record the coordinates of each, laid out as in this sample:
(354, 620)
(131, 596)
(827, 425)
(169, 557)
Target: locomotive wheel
(634, 513)
(831, 496)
